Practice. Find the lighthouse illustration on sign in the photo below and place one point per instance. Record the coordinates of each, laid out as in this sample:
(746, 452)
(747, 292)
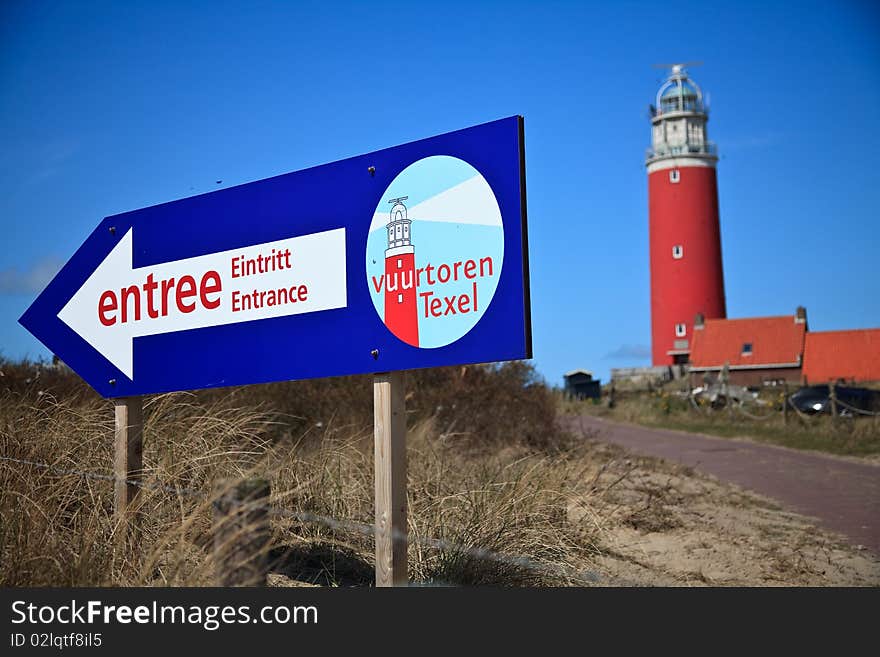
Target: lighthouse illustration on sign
(401, 314)
(433, 295)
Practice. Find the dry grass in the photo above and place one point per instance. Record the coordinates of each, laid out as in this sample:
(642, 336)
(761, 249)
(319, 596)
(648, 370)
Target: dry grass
(58, 529)
(665, 408)
(477, 480)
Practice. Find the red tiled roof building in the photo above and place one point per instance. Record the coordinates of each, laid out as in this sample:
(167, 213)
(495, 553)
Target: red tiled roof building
(756, 349)
(852, 356)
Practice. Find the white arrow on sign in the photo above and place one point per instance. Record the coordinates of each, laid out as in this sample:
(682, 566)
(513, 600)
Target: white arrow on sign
(269, 283)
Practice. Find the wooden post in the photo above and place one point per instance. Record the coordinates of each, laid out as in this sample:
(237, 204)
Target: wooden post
(832, 394)
(725, 387)
(785, 403)
(389, 416)
(127, 454)
(241, 533)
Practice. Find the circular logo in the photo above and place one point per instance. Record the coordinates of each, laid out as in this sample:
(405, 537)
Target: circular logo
(434, 251)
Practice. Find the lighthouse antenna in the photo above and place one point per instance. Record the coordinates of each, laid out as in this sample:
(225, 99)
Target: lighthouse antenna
(679, 65)
(398, 200)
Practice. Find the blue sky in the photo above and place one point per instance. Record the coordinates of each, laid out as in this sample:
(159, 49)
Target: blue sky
(107, 107)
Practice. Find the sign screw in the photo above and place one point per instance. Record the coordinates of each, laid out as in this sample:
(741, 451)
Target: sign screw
(112, 230)
(375, 354)
(372, 170)
(112, 382)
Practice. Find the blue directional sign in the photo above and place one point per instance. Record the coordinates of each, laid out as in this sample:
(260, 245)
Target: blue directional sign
(413, 256)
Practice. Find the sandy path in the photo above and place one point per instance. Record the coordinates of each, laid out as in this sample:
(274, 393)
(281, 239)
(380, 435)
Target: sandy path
(842, 495)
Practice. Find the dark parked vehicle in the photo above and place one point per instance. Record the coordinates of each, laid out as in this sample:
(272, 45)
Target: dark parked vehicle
(817, 399)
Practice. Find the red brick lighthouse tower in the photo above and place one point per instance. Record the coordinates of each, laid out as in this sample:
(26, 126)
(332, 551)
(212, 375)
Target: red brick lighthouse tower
(684, 233)
(400, 276)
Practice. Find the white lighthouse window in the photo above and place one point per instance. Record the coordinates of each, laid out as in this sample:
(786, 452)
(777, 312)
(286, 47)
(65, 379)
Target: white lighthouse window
(399, 298)
(399, 263)
(674, 176)
(677, 251)
(680, 330)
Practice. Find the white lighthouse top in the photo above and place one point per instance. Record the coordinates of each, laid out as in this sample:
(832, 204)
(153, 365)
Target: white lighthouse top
(678, 133)
(679, 93)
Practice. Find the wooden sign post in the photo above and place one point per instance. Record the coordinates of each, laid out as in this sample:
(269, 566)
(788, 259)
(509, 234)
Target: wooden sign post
(390, 453)
(127, 455)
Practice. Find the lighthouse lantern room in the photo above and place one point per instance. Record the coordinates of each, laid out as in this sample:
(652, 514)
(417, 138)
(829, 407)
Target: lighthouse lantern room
(684, 231)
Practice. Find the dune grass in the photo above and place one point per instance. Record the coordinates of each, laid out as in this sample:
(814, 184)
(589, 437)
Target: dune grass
(490, 471)
(666, 409)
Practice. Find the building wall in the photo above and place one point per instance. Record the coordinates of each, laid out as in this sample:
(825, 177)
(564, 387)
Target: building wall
(755, 377)
(584, 390)
(683, 213)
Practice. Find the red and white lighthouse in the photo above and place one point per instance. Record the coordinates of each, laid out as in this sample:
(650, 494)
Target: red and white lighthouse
(401, 311)
(684, 232)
